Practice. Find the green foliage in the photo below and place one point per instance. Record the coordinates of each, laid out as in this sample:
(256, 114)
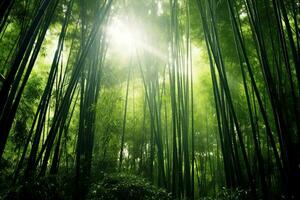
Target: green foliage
(156, 126)
(5, 171)
(26, 110)
(230, 194)
(125, 187)
(48, 188)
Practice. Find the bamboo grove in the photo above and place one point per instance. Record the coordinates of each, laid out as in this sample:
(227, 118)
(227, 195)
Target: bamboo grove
(201, 101)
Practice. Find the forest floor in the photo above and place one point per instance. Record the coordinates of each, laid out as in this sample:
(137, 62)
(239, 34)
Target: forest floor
(114, 186)
(108, 187)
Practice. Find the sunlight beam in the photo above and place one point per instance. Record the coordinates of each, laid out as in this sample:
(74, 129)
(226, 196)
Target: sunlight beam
(127, 38)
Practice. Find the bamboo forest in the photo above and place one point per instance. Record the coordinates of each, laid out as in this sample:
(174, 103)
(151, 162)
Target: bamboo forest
(149, 99)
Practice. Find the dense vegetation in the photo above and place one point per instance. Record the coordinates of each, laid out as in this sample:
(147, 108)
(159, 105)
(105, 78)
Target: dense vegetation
(149, 99)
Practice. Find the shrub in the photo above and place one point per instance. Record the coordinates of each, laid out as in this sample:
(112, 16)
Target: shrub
(47, 188)
(125, 187)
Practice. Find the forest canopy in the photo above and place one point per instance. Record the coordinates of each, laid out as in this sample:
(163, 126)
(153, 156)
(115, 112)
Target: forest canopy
(149, 99)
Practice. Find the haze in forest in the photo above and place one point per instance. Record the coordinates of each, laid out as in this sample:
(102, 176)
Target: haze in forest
(149, 99)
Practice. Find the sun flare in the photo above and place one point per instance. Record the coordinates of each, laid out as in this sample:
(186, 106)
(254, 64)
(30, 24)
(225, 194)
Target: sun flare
(123, 36)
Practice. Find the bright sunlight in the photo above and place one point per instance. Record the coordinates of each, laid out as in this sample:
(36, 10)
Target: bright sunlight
(124, 36)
